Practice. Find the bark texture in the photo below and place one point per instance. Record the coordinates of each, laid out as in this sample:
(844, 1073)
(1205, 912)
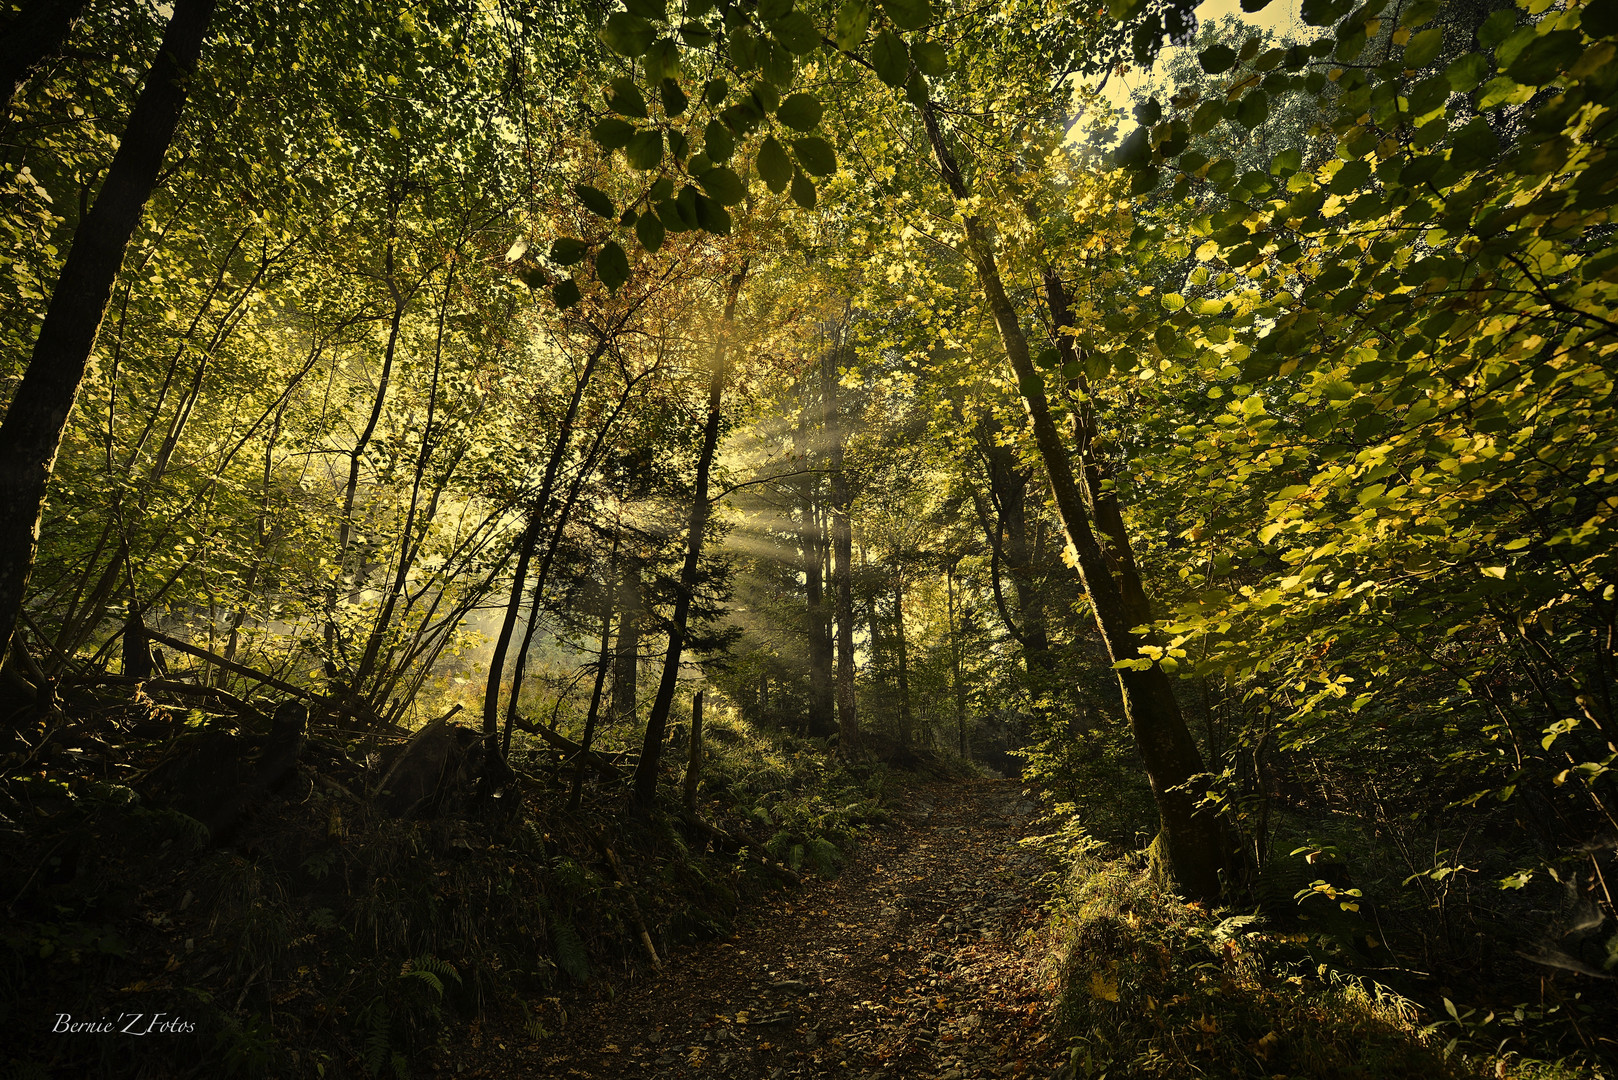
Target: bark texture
(1190, 847)
(32, 431)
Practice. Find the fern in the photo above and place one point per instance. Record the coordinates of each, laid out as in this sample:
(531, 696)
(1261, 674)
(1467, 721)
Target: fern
(824, 857)
(434, 983)
(376, 1019)
(570, 951)
(432, 970)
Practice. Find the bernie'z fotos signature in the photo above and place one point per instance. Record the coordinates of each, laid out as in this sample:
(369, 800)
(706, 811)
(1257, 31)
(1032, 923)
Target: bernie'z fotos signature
(126, 1024)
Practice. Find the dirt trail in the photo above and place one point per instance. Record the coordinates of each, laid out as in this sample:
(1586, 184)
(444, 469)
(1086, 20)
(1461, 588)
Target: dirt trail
(914, 963)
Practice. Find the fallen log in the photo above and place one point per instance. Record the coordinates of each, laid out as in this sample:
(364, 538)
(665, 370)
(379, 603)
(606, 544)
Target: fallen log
(754, 849)
(592, 758)
(230, 665)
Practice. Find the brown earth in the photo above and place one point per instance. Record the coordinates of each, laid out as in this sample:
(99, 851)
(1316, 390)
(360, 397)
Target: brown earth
(923, 959)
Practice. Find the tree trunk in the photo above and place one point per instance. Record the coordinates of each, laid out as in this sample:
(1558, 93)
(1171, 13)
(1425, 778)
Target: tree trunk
(956, 662)
(812, 543)
(1008, 536)
(842, 539)
(645, 784)
(693, 764)
(901, 644)
(494, 760)
(602, 663)
(1190, 847)
(31, 434)
(30, 38)
(626, 660)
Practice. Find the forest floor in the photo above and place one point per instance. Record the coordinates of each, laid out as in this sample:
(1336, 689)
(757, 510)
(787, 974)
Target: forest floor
(923, 959)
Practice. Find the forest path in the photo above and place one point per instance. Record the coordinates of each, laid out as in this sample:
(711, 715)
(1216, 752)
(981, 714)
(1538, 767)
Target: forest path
(915, 963)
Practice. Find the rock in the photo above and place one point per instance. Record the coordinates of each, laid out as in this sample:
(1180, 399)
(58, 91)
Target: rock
(439, 759)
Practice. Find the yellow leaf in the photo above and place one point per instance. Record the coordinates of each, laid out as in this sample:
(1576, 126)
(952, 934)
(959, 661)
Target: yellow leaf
(1103, 988)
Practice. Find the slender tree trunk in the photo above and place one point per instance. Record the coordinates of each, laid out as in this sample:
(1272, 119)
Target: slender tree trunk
(842, 542)
(811, 543)
(345, 529)
(693, 765)
(626, 661)
(525, 554)
(31, 37)
(956, 663)
(901, 644)
(31, 434)
(603, 661)
(1010, 544)
(408, 548)
(1190, 846)
(645, 782)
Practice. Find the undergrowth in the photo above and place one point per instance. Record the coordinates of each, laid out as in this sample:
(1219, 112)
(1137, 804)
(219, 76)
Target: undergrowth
(328, 939)
(1152, 987)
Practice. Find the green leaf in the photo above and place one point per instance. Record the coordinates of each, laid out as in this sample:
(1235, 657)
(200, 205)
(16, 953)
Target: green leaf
(853, 20)
(1546, 57)
(1422, 47)
(626, 99)
(776, 62)
(800, 111)
(717, 141)
(649, 231)
(1135, 151)
(724, 185)
(891, 58)
(714, 91)
(565, 293)
(744, 48)
(674, 99)
(774, 167)
(770, 10)
(1251, 6)
(627, 34)
(612, 265)
(595, 200)
(610, 132)
(1599, 20)
(930, 57)
(1467, 72)
(1287, 161)
(1422, 11)
(1207, 117)
(566, 250)
(765, 98)
(696, 35)
(803, 190)
(699, 164)
(908, 14)
(711, 217)
(1323, 12)
(1474, 144)
(816, 155)
(1217, 59)
(916, 90)
(797, 31)
(1253, 110)
(647, 9)
(645, 150)
(662, 61)
(1497, 27)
